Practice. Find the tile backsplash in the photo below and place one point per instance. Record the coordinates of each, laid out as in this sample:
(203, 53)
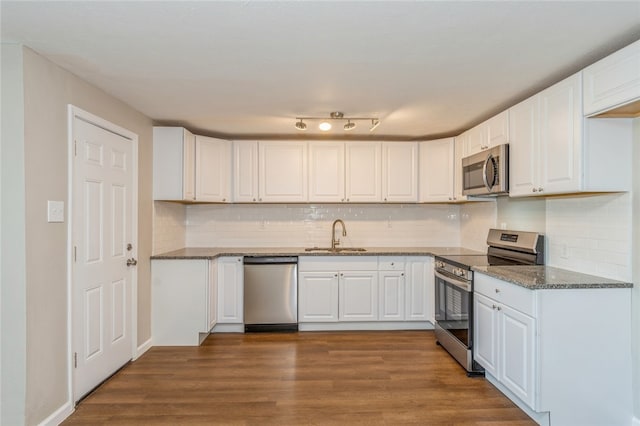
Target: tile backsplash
(591, 234)
(169, 226)
(309, 225)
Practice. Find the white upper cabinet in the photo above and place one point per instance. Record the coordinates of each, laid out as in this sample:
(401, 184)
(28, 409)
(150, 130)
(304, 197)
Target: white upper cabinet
(363, 172)
(173, 164)
(494, 131)
(213, 169)
(523, 150)
(245, 171)
(437, 170)
(282, 171)
(555, 150)
(326, 172)
(400, 172)
(613, 82)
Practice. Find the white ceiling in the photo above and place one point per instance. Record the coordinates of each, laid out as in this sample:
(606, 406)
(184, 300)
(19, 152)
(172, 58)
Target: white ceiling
(247, 68)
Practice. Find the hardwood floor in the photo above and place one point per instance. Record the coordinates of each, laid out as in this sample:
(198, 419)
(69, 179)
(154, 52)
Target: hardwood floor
(345, 378)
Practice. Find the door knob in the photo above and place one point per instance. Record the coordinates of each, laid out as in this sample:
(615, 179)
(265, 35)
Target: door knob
(132, 262)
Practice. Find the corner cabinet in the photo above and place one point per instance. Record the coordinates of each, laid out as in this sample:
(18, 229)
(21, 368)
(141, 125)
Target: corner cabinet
(183, 303)
(190, 168)
(555, 150)
(548, 352)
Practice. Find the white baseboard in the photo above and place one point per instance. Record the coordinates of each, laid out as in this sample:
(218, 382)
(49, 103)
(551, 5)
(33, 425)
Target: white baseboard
(59, 415)
(635, 421)
(142, 349)
(228, 328)
(365, 326)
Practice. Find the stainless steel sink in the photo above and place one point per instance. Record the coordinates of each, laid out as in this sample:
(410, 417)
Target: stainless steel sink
(337, 249)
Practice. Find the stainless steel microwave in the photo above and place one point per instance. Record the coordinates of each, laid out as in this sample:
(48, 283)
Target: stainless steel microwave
(486, 173)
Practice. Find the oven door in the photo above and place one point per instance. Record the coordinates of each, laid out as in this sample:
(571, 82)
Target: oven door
(453, 306)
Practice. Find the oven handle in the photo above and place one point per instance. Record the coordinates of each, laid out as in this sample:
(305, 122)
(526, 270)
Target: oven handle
(463, 285)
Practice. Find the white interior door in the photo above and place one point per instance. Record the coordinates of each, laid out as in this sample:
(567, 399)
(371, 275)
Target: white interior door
(103, 262)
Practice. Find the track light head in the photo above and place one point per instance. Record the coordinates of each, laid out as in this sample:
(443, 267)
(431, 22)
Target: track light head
(300, 125)
(349, 125)
(374, 124)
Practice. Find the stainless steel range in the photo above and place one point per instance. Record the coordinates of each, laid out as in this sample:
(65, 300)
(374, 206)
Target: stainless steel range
(454, 288)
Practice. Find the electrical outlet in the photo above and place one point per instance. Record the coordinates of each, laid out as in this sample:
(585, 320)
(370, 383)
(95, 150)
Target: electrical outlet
(55, 211)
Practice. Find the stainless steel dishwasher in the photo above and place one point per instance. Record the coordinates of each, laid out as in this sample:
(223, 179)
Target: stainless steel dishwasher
(270, 293)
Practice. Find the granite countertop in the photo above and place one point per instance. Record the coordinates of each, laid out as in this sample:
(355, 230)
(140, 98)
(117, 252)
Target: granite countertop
(213, 252)
(548, 277)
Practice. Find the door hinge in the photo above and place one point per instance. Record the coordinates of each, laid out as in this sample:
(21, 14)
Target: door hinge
(75, 253)
(75, 148)
(75, 360)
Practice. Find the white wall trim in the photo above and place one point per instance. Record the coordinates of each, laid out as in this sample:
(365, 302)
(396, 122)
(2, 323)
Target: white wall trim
(72, 113)
(366, 325)
(59, 415)
(143, 348)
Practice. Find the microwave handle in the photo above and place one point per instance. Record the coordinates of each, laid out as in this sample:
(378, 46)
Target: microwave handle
(484, 172)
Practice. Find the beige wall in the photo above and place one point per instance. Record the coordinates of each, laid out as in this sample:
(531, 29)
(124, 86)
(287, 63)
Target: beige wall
(12, 261)
(48, 89)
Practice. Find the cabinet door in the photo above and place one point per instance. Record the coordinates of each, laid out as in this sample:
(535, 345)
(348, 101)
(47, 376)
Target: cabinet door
(459, 152)
(318, 297)
(524, 122)
(245, 171)
(391, 295)
(282, 171)
(212, 294)
(358, 296)
(363, 172)
(326, 172)
(419, 295)
(400, 172)
(560, 136)
(485, 343)
(497, 128)
(436, 170)
(173, 164)
(612, 81)
(230, 290)
(477, 139)
(516, 353)
(189, 160)
(213, 164)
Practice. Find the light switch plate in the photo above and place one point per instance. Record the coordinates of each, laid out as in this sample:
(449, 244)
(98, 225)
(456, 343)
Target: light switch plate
(55, 211)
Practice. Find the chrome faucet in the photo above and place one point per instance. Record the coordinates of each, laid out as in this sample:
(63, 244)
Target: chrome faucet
(334, 241)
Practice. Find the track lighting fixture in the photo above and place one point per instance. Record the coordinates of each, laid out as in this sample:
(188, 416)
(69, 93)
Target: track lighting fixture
(300, 125)
(325, 123)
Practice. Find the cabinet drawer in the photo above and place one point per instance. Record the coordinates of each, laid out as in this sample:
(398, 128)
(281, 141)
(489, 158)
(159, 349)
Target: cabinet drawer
(391, 263)
(518, 298)
(337, 263)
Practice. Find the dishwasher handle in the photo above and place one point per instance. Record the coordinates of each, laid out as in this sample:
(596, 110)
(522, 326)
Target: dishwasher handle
(270, 260)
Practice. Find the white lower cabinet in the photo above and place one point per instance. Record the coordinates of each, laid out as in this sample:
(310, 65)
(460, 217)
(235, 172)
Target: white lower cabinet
(505, 346)
(365, 289)
(183, 300)
(358, 296)
(230, 290)
(318, 297)
(556, 352)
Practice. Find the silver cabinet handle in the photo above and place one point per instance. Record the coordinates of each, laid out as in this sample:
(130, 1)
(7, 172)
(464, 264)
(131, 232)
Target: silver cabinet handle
(497, 290)
(132, 262)
(535, 190)
(539, 189)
